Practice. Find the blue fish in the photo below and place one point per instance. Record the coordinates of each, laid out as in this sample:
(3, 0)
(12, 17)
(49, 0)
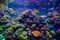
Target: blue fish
(1, 14)
(55, 28)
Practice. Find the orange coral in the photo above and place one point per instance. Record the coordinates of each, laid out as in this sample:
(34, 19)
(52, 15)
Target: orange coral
(36, 33)
(55, 17)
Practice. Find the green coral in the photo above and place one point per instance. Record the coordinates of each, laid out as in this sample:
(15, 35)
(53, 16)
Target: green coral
(2, 37)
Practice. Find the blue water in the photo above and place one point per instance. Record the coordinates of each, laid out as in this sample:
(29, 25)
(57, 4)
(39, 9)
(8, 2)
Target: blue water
(17, 4)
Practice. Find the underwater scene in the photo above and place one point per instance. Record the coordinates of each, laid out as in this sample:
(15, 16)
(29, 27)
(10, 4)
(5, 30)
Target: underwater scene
(29, 19)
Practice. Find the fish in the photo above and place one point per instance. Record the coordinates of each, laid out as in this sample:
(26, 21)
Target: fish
(1, 14)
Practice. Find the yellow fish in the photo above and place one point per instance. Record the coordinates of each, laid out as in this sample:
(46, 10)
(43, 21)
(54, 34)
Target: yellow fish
(35, 11)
